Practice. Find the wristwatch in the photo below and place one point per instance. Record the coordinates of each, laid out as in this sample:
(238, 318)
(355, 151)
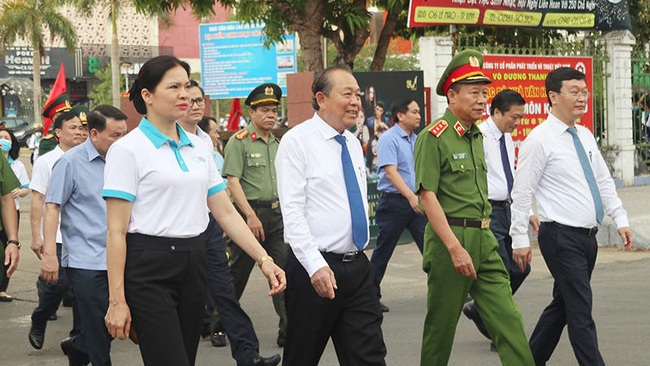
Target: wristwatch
(15, 242)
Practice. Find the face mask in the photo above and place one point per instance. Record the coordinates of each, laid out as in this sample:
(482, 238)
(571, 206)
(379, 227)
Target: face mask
(5, 145)
(38, 134)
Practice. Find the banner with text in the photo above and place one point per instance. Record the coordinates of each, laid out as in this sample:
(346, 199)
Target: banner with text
(527, 75)
(604, 15)
(234, 59)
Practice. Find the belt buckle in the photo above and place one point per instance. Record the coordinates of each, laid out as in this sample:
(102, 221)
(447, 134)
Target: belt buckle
(349, 256)
(593, 231)
(485, 223)
(275, 205)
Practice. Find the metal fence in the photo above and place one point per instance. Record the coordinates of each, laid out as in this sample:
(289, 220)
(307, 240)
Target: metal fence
(587, 47)
(641, 104)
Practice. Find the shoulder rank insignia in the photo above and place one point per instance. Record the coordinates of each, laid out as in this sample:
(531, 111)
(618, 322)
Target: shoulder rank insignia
(241, 134)
(459, 128)
(254, 136)
(438, 128)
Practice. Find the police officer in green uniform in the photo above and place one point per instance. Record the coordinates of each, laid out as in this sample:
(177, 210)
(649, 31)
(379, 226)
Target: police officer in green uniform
(460, 252)
(249, 166)
(51, 111)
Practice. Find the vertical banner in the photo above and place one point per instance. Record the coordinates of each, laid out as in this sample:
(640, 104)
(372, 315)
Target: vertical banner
(527, 76)
(234, 59)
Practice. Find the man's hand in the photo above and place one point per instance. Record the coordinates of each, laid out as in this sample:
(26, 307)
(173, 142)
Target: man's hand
(415, 204)
(628, 238)
(462, 261)
(522, 257)
(37, 246)
(276, 277)
(50, 268)
(118, 320)
(256, 227)
(324, 282)
(534, 223)
(12, 256)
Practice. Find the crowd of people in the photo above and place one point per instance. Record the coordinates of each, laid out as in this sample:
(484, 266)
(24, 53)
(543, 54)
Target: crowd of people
(135, 224)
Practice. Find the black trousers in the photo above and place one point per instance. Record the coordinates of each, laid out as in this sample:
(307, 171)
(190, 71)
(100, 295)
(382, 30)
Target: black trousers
(352, 319)
(221, 296)
(241, 264)
(91, 296)
(570, 255)
(500, 226)
(165, 288)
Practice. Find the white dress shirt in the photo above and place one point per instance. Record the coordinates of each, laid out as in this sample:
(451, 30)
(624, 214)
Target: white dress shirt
(497, 183)
(41, 173)
(312, 192)
(549, 169)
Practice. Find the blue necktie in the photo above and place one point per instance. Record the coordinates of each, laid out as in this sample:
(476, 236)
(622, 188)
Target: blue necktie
(589, 174)
(359, 221)
(506, 163)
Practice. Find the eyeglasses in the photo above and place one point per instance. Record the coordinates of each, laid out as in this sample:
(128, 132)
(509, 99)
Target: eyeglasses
(575, 94)
(199, 102)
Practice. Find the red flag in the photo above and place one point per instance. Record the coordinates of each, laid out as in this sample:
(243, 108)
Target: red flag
(235, 115)
(57, 89)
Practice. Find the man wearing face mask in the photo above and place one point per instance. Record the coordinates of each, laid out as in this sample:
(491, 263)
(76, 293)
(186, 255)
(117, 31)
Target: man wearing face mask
(34, 140)
(252, 181)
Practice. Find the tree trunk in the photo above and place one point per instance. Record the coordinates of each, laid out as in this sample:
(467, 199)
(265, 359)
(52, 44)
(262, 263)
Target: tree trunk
(348, 44)
(115, 57)
(37, 86)
(383, 42)
(308, 29)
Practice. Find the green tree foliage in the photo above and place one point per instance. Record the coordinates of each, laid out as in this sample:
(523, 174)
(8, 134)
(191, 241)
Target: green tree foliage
(103, 92)
(30, 20)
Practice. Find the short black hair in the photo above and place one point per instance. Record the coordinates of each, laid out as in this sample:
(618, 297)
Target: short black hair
(323, 83)
(204, 123)
(401, 106)
(195, 84)
(14, 152)
(555, 78)
(65, 116)
(504, 100)
(97, 118)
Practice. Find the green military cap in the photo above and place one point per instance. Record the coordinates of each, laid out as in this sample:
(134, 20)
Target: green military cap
(265, 93)
(82, 112)
(60, 104)
(465, 67)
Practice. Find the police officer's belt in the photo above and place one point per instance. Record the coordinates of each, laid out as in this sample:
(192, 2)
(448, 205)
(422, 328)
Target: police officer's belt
(505, 203)
(264, 204)
(479, 224)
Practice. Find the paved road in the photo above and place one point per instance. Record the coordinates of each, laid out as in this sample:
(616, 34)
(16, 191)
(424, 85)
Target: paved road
(621, 298)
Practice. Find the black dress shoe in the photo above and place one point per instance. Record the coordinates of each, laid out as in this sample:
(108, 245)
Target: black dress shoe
(218, 339)
(471, 312)
(36, 335)
(384, 308)
(53, 317)
(75, 357)
(266, 361)
(282, 339)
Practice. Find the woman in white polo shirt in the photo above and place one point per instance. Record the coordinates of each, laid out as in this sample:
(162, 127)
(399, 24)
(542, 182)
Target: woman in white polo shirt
(156, 183)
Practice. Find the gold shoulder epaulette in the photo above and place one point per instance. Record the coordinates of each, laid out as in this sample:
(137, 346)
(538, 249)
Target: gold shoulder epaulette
(241, 134)
(438, 128)
(49, 136)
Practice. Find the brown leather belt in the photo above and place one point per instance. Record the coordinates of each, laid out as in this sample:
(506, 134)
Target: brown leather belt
(479, 224)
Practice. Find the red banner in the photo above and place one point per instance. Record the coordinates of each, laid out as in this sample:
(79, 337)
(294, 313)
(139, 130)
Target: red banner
(550, 14)
(527, 75)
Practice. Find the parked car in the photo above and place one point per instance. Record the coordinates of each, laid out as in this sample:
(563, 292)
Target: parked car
(21, 127)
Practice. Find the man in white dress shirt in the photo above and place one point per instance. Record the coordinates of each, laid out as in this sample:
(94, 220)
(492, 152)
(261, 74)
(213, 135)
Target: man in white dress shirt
(506, 111)
(321, 180)
(561, 167)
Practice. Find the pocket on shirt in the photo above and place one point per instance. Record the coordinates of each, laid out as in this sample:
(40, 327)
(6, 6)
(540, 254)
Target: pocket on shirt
(255, 162)
(461, 166)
